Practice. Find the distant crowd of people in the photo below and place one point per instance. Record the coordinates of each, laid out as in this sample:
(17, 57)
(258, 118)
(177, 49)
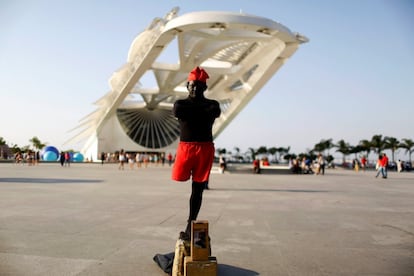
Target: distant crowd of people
(308, 166)
(132, 159)
(304, 165)
(30, 158)
(136, 159)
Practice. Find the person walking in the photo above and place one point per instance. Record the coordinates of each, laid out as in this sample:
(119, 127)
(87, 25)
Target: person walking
(62, 158)
(122, 159)
(321, 162)
(222, 163)
(67, 159)
(381, 166)
(195, 153)
(169, 158)
(102, 158)
(256, 166)
(363, 163)
(399, 166)
(385, 161)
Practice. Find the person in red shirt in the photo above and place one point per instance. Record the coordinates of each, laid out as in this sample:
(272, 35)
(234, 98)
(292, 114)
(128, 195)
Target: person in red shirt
(256, 165)
(67, 159)
(169, 158)
(381, 164)
(363, 163)
(385, 163)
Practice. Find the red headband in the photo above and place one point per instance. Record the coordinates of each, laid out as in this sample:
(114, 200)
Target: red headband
(198, 74)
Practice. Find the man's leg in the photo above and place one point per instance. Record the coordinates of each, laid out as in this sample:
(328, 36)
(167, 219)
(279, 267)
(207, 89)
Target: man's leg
(195, 203)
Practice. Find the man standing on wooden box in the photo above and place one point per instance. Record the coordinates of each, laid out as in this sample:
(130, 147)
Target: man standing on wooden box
(195, 153)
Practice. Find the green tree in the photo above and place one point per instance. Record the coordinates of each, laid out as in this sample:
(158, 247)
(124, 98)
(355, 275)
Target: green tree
(378, 143)
(319, 147)
(392, 144)
(221, 151)
(408, 145)
(253, 153)
(283, 151)
(237, 155)
(37, 144)
(344, 148)
(2, 141)
(262, 150)
(25, 148)
(15, 149)
(355, 150)
(328, 144)
(237, 150)
(365, 145)
(289, 156)
(324, 145)
(273, 151)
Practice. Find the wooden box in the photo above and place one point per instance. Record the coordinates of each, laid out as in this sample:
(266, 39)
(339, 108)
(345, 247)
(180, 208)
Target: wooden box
(200, 268)
(200, 242)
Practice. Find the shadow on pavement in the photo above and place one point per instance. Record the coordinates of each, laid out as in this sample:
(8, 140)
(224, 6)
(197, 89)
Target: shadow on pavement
(264, 170)
(271, 190)
(229, 270)
(48, 180)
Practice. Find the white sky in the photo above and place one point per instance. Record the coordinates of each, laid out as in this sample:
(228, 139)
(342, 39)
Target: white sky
(351, 81)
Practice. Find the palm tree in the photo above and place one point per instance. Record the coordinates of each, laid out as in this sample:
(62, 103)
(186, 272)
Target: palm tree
(355, 150)
(328, 144)
(252, 152)
(237, 150)
(324, 145)
(393, 144)
(365, 146)
(319, 147)
(4, 149)
(273, 151)
(378, 143)
(343, 148)
(36, 143)
(283, 151)
(2, 141)
(288, 156)
(15, 149)
(237, 154)
(220, 151)
(408, 145)
(262, 150)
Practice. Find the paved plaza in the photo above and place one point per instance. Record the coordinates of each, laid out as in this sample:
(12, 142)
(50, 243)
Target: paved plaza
(89, 219)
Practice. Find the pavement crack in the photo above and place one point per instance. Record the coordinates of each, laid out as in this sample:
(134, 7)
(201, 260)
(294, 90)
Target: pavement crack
(397, 228)
(168, 218)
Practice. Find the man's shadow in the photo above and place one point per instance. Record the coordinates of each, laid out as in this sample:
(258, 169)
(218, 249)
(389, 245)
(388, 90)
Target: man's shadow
(229, 270)
(166, 262)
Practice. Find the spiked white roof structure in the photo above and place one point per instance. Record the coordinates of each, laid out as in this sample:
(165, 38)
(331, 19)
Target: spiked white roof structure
(240, 52)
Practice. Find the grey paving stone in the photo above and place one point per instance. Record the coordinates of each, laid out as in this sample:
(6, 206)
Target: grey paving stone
(97, 220)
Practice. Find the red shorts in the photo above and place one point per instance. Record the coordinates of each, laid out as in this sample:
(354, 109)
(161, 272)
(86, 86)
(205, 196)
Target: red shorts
(193, 159)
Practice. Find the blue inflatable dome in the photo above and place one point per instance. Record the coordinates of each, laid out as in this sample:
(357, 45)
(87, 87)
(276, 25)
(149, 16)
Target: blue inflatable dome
(50, 156)
(52, 149)
(77, 157)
